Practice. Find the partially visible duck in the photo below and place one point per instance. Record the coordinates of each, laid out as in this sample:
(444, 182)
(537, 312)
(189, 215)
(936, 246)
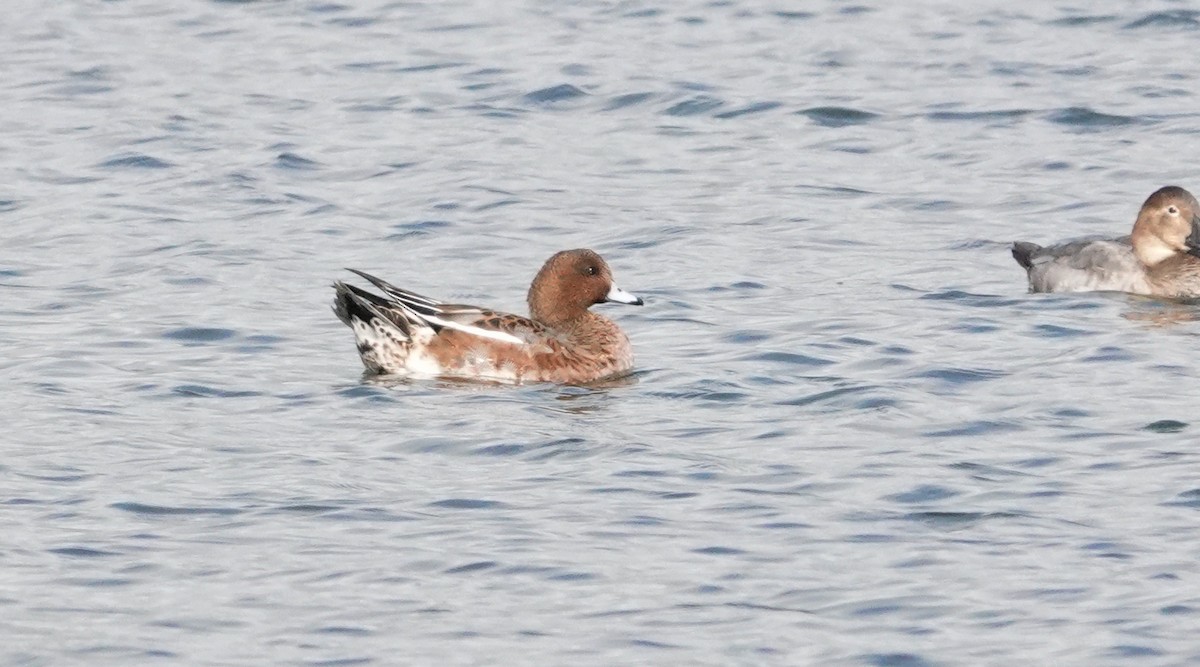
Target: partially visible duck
(561, 340)
(1160, 258)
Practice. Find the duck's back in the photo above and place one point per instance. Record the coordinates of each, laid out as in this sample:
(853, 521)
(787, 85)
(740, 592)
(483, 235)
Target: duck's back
(1083, 265)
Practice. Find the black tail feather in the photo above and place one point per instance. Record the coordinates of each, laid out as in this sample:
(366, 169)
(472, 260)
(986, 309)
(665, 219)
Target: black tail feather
(1023, 252)
(421, 304)
(352, 302)
(347, 304)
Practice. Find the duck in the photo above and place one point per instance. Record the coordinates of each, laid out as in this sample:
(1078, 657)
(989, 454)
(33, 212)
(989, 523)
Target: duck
(400, 332)
(1160, 258)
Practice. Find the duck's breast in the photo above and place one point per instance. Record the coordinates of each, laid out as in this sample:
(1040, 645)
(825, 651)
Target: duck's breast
(1177, 277)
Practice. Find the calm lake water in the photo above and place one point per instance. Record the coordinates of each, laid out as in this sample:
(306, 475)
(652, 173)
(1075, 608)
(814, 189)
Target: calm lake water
(852, 438)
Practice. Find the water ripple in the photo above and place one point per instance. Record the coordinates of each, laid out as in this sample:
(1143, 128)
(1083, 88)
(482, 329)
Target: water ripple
(1177, 18)
(836, 363)
(825, 396)
(468, 504)
(895, 660)
(1187, 499)
(205, 391)
(554, 94)
(757, 107)
(790, 358)
(985, 116)
(163, 510)
(82, 552)
(199, 335)
(134, 161)
(290, 160)
(694, 106)
(959, 376)
(1084, 118)
(838, 116)
(628, 100)
(1083, 21)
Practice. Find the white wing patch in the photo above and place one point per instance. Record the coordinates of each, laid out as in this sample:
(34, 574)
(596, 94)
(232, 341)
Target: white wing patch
(501, 336)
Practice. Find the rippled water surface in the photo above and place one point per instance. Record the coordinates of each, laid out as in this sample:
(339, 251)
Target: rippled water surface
(852, 437)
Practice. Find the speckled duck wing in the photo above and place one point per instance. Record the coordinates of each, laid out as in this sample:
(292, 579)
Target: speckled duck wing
(473, 320)
(1084, 265)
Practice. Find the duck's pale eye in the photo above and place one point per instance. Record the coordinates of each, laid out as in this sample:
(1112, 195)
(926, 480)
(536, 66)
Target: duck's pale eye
(1172, 210)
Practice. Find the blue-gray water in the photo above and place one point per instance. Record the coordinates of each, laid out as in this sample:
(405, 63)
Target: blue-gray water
(852, 438)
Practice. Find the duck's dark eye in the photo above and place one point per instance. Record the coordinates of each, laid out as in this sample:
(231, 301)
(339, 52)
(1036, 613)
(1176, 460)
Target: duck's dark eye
(1172, 210)
(590, 270)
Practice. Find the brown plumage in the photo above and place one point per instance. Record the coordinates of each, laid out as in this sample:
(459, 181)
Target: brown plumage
(1159, 258)
(561, 341)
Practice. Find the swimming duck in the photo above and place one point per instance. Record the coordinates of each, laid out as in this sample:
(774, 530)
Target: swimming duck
(1160, 258)
(561, 340)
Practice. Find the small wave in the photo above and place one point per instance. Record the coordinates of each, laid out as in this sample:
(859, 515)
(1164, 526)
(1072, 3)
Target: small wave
(294, 161)
(204, 391)
(627, 100)
(135, 161)
(1082, 21)
(1085, 118)
(1178, 18)
(925, 493)
(468, 504)
(163, 510)
(970, 116)
(694, 106)
(1165, 426)
(973, 429)
(838, 116)
(553, 95)
(199, 334)
(1189, 498)
(758, 107)
(791, 358)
